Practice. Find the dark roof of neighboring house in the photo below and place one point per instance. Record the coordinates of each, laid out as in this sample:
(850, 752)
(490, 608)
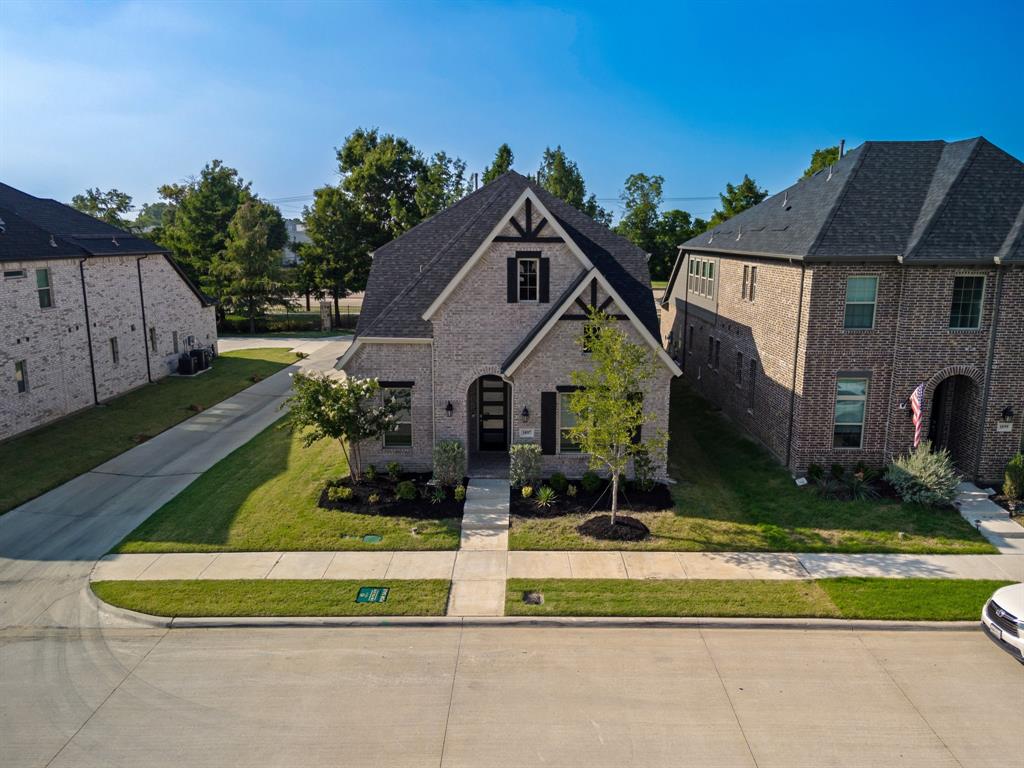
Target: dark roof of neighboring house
(37, 229)
(411, 271)
(922, 202)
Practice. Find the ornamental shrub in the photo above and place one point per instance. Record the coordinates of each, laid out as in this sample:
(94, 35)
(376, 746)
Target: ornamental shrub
(460, 492)
(370, 473)
(449, 462)
(546, 497)
(340, 493)
(571, 491)
(1013, 480)
(524, 464)
(373, 498)
(924, 477)
(815, 473)
(643, 469)
(558, 482)
(405, 490)
(394, 469)
(591, 482)
(527, 491)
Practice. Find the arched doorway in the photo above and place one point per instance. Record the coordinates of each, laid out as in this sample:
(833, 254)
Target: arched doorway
(953, 419)
(489, 425)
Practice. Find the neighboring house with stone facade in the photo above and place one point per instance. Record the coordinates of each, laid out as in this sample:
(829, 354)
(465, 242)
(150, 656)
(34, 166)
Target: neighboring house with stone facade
(473, 315)
(812, 317)
(87, 312)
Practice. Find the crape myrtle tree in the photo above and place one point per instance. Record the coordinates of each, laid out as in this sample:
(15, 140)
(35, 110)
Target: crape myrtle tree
(608, 401)
(348, 410)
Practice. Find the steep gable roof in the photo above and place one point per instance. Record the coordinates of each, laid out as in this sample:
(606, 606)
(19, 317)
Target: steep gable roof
(410, 272)
(927, 202)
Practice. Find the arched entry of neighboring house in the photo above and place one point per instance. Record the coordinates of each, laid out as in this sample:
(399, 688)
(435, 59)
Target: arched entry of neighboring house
(955, 413)
(489, 425)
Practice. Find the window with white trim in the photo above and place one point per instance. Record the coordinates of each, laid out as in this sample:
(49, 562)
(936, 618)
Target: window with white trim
(528, 279)
(21, 376)
(861, 295)
(400, 436)
(44, 289)
(701, 278)
(566, 420)
(851, 403)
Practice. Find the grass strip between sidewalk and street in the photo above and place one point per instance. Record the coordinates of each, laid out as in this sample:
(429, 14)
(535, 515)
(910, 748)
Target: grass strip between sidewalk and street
(268, 597)
(843, 598)
(44, 458)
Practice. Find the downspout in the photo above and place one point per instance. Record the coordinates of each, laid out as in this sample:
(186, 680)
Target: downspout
(988, 367)
(145, 333)
(895, 362)
(88, 331)
(796, 357)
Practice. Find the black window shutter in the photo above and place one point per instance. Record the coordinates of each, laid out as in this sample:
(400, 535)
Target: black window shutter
(548, 422)
(545, 279)
(637, 436)
(513, 286)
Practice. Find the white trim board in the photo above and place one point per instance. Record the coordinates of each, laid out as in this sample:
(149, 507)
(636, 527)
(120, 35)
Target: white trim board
(359, 341)
(594, 274)
(528, 194)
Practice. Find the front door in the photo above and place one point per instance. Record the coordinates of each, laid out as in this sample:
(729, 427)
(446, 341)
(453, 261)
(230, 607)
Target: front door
(493, 413)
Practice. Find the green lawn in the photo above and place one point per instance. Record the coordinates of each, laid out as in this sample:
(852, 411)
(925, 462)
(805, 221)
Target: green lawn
(659, 283)
(287, 334)
(263, 497)
(38, 461)
(731, 495)
(286, 597)
(894, 599)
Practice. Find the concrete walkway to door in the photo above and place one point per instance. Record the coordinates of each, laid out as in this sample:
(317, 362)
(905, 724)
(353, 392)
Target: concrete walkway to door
(478, 578)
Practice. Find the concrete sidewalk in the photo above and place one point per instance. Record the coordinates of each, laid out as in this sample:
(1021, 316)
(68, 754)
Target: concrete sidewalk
(990, 519)
(487, 566)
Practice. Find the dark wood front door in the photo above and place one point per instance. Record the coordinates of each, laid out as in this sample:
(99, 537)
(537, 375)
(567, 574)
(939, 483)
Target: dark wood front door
(493, 413)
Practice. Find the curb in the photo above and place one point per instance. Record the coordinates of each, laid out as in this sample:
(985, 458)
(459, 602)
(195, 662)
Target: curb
(563, 622)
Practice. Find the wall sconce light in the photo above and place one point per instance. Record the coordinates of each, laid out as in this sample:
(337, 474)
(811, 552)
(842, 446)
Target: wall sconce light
(525, 414)
(1008, 413)
(449, 409)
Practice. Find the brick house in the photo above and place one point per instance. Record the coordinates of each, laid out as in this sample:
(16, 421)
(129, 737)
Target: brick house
(87, 312)
(473, 315)
(811, 318)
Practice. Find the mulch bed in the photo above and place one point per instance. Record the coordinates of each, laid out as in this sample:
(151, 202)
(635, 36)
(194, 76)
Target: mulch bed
(421, 508)
(1013, 506)
(625, 528)
(631, 499)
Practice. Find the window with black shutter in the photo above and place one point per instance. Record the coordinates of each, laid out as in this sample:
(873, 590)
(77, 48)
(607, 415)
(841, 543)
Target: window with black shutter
(548, 422)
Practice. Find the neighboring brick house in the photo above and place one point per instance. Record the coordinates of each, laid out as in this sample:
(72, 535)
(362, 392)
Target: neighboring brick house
(812, 317)
(87, 312)
(474, 315)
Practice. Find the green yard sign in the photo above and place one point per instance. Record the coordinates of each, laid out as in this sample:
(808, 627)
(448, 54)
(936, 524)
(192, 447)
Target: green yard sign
(372, 594)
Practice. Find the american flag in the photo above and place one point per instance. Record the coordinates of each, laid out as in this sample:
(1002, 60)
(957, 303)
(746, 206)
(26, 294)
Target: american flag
(917, 407)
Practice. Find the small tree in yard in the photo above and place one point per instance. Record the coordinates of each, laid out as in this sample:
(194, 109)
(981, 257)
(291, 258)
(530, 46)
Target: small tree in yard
(609, 411)
(347, 410)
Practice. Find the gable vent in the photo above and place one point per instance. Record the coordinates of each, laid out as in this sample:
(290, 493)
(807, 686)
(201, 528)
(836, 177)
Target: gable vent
(53, 243)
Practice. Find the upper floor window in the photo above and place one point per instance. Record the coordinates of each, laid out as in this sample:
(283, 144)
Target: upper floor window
(752, 289)
(861, 293)
(115, 355)
(746, 281)
(43, 288)
(152, 338)
(848, 424)
(968, 291)
(701, 278)
(399, 436)
(21, 376)
(528, 279)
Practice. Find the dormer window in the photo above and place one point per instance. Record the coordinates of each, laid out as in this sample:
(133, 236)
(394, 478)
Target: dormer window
(528, 278)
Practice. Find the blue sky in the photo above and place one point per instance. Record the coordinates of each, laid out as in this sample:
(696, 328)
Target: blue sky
(132, 95)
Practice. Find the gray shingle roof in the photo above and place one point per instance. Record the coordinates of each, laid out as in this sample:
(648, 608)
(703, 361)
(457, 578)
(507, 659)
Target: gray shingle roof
(926, 202)
(411, 271)
(37, 229)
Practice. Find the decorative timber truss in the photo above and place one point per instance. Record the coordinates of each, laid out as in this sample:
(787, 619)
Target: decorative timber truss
(527, 232)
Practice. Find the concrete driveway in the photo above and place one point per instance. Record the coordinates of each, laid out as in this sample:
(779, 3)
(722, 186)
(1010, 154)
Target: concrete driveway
(49, 545)
(488, 696)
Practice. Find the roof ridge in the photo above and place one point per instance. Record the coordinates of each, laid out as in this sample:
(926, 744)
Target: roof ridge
(911, 248)
(857, 163)
(1013, 238)
(433, 260)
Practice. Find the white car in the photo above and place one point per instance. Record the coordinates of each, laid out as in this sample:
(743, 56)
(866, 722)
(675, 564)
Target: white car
(1003, 618)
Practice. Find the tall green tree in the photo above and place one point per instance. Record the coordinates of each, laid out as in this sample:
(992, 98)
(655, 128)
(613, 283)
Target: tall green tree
(246, 276)
(382, 172)
(821, 159)
(641, 199)
(561, 177)
(608, 402)
(341, 239)
(503, 160)
(674, 228)
(111, 206)
(737, 198)
(151, 216)
(195, 224)
(442, 183)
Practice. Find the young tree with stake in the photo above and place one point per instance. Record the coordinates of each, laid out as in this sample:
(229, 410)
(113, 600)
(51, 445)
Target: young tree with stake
(608, 401)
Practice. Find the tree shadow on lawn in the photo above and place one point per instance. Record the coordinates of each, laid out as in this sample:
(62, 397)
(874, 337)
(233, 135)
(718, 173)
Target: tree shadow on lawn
(723, 476)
